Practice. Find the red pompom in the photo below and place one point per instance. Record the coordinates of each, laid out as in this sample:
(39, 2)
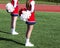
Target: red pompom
(20, 11)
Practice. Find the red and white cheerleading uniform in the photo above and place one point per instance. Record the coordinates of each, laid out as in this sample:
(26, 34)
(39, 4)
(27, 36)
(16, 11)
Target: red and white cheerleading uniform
(31, 20)
(15, 5)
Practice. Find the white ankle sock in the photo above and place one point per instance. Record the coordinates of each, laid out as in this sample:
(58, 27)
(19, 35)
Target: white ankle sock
(27, 40)
(13, 30)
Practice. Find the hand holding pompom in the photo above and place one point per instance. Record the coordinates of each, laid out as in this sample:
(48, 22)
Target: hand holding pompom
(9, 7)
(24, 14)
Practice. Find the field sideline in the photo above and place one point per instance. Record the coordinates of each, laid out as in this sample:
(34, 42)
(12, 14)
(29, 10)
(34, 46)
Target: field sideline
(39, 7)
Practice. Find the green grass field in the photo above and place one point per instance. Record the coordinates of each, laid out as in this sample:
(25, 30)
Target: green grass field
(37, 2)
(6, 1)
(46, 33)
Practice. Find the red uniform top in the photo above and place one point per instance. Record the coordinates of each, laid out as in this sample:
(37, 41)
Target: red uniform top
(32, 17)
(15, 4)
(31, 20)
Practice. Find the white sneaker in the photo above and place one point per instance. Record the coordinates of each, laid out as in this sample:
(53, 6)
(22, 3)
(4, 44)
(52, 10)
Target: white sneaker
(15, 33)
(28, 44)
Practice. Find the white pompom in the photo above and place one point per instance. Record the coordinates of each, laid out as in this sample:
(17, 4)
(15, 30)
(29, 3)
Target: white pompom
(9, 7)
(25, 15)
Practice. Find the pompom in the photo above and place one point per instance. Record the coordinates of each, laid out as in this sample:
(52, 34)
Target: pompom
(9, 7)
(20, 11)
(25, 15)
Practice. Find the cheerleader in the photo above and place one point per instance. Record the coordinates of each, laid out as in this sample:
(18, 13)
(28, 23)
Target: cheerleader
(14, 16)
(30, 22)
